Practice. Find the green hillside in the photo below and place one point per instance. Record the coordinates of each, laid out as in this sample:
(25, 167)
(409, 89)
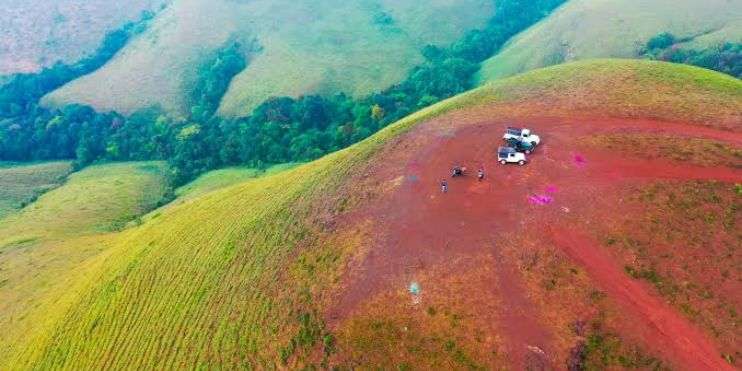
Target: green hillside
(239, 277)
(51, 239)
(583, 29)
(101, 198)
(301, 47)
(35, 33)
(20, 184)
(218, 179)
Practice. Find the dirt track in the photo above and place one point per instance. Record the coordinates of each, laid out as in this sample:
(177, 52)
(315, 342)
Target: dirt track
(417, 226)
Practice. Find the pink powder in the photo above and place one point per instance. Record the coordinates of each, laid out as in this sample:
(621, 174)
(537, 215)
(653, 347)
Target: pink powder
(540, 199)
(579, 160)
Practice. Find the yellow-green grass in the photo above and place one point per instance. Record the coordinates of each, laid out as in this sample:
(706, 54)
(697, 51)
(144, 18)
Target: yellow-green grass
(20, 184)
(35, 33)
(583, 29)
(629, 89)
(98, 199)
(53, 237)
(236, 278)
(218, 179)
(307, 47)
(202, 277)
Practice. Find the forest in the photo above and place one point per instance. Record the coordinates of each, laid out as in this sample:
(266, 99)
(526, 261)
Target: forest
(723, 57)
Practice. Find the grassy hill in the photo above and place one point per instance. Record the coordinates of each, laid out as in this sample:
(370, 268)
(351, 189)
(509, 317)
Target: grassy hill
(100, 198)
(583, 29)
(304, 47)
(242, 276)
(50, 239)
(20, 184)
(35, 34)
(217, 179)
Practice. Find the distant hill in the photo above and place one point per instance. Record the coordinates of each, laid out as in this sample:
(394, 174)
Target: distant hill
(259, 274)
(35, 33)
(21, 184)
(300, 47)
(583, 29)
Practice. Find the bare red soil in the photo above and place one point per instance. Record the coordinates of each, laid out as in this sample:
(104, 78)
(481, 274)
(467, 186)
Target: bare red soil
(659, 325)
(417, 226)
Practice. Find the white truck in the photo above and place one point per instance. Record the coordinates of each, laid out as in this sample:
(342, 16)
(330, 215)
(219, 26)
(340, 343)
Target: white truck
(508, 155)
(523, 135)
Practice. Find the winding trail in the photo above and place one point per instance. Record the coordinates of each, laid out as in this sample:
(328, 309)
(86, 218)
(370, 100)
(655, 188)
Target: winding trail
(662, 325)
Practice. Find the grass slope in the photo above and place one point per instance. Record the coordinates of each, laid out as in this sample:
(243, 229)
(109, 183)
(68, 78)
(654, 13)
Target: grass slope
(53, 237)
(583, 29)
(35, 33)
(628, 88)
(307, 47)
(237, 277)
(101, 198)
(218, 179)
(213, 181)
(20, 184)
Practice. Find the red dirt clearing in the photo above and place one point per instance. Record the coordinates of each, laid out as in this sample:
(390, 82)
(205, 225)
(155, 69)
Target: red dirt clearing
(417, 226)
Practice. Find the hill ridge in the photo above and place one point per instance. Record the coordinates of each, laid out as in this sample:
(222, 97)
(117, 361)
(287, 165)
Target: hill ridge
(352, 48)
(614, 32)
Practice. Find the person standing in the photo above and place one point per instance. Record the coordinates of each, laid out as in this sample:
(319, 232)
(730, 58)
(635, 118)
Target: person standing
(480, 174)
(444, 185)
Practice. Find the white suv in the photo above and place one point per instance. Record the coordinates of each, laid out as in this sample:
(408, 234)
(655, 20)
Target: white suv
(523, 135)
(507, 155)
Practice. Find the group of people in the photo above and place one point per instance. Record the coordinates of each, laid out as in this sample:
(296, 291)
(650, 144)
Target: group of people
(459, 171)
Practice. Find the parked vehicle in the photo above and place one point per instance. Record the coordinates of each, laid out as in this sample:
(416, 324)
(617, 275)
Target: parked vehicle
(523, 135)
(520, 145)
(508, 155)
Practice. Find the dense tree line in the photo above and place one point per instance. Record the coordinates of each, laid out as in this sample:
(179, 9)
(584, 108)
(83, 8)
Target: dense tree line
(281, 129)
(30, 132)
(287, 129)
(724, 57)
(213, 78)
